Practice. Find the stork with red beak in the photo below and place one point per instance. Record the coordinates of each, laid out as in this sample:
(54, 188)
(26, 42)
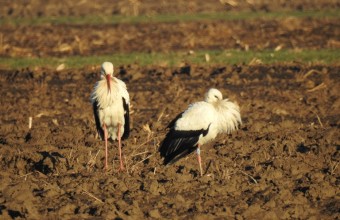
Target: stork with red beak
(111, 101)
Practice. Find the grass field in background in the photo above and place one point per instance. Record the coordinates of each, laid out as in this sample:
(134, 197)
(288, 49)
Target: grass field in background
(172, 59)
(158, 18)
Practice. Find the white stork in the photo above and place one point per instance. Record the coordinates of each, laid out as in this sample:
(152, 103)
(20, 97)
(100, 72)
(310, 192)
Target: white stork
(200, 123)
(111, 101)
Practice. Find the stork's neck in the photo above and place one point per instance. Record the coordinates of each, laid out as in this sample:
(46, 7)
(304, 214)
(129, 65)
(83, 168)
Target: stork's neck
(103, 95)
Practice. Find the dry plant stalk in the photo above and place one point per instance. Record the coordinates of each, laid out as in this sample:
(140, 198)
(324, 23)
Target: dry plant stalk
(310, 72)
(255, 61)
(319, 120)
(41, 114)
(321, 86)
(26, 175)
(141, 161)
(226, 174)
(131, 111)
(140, 153)
(91, 195)
(92, 160)
(248, 176)
(30, 122)
(160, 115)
(207, 58)
(147, 128)
(69, 156)
(55, 122)
(142, 144)
(333, 168)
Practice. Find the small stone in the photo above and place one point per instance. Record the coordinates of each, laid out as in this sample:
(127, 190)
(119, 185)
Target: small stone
(270, 215)
(154, 188)
(60, 67)
(155, 213)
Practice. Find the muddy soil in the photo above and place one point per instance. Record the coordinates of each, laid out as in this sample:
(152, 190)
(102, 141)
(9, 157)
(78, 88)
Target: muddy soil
(40, 8)
(65, 40)
(282, 163)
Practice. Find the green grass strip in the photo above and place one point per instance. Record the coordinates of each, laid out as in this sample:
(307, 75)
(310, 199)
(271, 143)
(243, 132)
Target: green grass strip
(324, 56)
(161, 18)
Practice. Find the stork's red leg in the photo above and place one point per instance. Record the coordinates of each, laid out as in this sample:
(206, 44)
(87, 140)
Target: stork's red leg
(120, 148)
(106, 153)
(198, 151)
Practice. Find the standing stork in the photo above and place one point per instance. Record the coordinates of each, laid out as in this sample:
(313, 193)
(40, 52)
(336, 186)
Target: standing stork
(111, 101)
(199, 124)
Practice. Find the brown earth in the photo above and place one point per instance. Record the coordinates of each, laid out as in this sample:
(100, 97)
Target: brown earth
(64, 40)
(282, 164)
(48, 8)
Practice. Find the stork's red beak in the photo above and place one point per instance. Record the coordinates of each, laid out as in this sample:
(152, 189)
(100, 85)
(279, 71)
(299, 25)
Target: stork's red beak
(108, 80)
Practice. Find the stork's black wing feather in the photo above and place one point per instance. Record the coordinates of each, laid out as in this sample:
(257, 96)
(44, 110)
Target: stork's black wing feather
(96, 118)
(127, 120)
(178, 144)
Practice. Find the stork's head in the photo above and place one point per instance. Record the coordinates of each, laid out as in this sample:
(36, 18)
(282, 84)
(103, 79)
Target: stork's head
(213, 95)
(107, 72)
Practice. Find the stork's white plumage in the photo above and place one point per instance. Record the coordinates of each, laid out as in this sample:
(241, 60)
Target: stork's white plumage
(110, 100)
(199, 124)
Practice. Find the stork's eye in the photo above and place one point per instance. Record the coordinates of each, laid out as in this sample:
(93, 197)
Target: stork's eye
(216, 96)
